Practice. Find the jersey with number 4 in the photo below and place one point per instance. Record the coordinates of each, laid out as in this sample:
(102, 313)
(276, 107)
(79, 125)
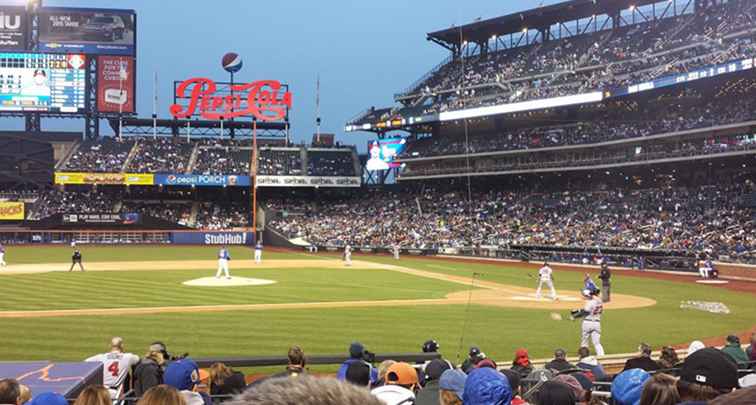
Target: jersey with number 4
(116, 367)
(594, 308)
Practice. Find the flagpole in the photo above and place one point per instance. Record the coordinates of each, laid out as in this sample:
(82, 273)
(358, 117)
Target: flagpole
(154, 106)
(317, 109)
(254, 178)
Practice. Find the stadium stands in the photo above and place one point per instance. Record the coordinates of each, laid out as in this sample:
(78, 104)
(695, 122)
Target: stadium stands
(689, 219)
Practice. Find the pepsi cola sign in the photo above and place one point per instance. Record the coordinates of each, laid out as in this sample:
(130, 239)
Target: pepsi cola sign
(263, 99)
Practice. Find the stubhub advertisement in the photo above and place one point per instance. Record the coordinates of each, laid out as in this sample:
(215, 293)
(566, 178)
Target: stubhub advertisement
(213, 238)
(200, 180)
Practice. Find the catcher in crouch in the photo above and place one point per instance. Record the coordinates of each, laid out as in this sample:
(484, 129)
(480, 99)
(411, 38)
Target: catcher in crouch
(591, 314)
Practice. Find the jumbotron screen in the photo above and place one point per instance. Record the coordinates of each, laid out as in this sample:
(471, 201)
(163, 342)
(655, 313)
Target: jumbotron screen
(42, 82)
(382, 153)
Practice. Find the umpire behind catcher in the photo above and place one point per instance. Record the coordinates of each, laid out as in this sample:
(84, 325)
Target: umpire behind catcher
(606, 283)
(76, 259)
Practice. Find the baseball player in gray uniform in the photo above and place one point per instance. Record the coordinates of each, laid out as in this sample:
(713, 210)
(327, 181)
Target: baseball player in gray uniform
(591, 314)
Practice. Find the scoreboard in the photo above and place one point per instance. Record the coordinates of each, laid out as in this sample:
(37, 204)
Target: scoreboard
(54, 83)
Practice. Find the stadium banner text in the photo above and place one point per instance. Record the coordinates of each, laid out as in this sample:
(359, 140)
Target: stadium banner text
(201, 180)
(698, 74)
(126, 218)
(11, 211)
(14, 25)
(307, 181)
(260, 99)
(212, 238)
(91, 31)
(128, 179)
(115, 84)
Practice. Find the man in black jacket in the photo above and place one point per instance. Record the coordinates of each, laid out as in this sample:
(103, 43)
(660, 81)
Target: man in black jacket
(643, 361)
(606, 283)
(149, 372)
(560, 362)
(76, 259)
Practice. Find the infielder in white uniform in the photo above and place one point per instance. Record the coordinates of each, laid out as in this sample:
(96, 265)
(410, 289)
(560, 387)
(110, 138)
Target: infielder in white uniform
(258, 252)
(2, 256)
(545, 276)
(395, 251)
(591, 314)
(347, 255)
(116, 366)
(223, 258)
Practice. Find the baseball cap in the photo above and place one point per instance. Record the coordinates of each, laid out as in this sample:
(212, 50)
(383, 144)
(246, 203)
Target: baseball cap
(474, 351)
(430, 346)
(356, 350)
(435, 368)
(48, 398)
(574, 385)
(358, 373)
(521, 356)
(486, 363)
(628, 385)
(710, 367)
(453, 380)
(733, 339)
(401, 374)
(182, 374)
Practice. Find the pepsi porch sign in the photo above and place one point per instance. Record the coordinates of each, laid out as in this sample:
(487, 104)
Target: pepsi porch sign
(199, 180)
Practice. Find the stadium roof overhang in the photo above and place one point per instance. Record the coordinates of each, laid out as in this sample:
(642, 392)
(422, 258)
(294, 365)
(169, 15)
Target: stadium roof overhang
(537, 18)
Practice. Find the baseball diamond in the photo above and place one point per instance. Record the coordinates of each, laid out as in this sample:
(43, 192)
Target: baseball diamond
(555, 209)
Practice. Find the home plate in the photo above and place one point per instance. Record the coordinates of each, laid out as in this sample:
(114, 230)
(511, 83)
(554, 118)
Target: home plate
(712, 281)
(227, 282)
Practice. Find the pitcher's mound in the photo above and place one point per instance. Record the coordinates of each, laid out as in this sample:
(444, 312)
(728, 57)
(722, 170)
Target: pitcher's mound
(227, 282)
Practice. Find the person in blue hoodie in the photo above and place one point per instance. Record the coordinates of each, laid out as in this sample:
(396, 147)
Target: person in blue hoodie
(357, 354)
(486, 386)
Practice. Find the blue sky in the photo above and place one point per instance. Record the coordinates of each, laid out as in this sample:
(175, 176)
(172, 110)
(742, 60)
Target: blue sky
(364, 51)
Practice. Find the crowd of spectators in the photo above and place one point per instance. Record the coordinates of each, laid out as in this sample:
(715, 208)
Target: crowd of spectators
(107, 155)
(161, 155)
(223, 157)
(706, 376)
(330, 163)
(665, 115)
(704, 219)
(594, 61)
(55, 201)
(213, 216)
(280, 162)
(175, 212)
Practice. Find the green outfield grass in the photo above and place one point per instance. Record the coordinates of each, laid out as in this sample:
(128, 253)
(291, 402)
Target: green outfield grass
(499, 331)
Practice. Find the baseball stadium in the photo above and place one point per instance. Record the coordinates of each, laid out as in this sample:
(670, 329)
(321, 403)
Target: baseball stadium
(561, 211)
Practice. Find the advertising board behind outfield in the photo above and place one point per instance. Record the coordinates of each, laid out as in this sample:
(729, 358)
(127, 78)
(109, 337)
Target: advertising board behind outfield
(11, 211)
(131, 179)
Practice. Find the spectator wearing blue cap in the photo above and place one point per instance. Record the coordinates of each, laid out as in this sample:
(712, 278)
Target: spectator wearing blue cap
(452, 387)
(628, 386)
(486, 386)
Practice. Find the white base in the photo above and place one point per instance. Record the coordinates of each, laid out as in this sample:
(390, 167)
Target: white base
(712, 281)
(227, 282)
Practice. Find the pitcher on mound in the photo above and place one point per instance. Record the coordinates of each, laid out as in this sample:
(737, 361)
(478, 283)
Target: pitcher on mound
(347, 255)
(223, 258)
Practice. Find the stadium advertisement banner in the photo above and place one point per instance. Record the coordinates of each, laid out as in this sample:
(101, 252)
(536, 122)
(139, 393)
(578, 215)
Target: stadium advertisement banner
(201, 180)
(307, 181)
(128, 179)
(11, 211)
(128, 218)
(90, 31)
(212, 238)
(671, 80)
(13, 28)
(115, 84)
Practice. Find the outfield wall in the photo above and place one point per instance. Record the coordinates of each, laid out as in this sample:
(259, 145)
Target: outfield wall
(130, 237)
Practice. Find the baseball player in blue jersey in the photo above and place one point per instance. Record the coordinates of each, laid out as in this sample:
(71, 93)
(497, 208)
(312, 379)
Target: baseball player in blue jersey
(588, 283)
(223, 257)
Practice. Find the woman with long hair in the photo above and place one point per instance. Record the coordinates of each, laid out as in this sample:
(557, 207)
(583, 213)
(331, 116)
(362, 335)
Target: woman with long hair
(661, 389)
(94, 395)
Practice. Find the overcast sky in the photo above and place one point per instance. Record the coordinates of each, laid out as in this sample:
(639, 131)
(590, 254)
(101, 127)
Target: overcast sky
(364, 51)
